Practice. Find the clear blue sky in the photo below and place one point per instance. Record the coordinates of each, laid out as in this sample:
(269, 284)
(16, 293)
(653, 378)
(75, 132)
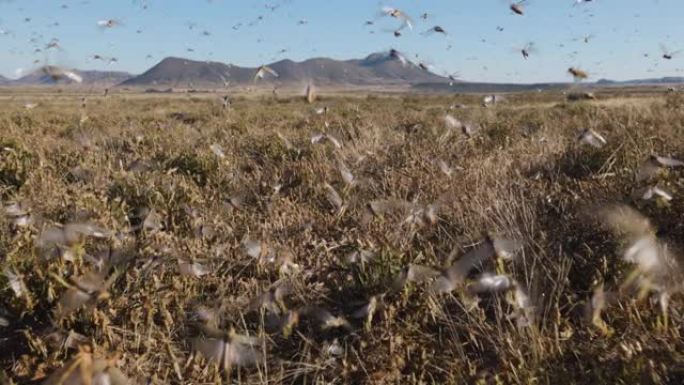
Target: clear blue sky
(623, 31)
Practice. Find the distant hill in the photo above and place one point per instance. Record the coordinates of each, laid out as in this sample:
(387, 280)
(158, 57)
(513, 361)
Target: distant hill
(3, 80)
(375, 70)
(108, 78)
(476, 87)
(665, 80)
(175, 72)
(90, 78)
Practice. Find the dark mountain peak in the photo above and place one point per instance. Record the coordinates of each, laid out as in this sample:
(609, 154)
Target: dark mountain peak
(376, 58)
(179, 61)
(172, 60)
(283, 62)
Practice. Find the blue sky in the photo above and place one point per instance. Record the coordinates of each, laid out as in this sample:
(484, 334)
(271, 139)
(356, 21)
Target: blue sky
(623, 31)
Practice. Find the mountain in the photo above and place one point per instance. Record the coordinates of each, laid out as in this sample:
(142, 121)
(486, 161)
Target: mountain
(90, 78)
(664, 80)
(105, 78)
(379, 69)
(477, 87)
(3, 80)
(386, 66)
(174, 71)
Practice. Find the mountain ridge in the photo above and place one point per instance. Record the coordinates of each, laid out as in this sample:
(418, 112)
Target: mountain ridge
(662, 80)
(376, 69)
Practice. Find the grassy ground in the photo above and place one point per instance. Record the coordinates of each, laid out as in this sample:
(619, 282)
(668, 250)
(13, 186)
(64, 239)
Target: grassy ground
(522, 176)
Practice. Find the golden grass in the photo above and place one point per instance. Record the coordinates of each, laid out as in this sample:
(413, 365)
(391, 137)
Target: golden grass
(523, 176)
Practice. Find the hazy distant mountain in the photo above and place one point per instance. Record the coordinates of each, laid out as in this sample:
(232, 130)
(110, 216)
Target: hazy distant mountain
(477, 87)
(3, 80)
(91, 78)
(665, 80)
(514, 87)
(108, 78)
(375, 70)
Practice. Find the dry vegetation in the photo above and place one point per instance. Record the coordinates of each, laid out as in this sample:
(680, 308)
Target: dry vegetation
(150, 185)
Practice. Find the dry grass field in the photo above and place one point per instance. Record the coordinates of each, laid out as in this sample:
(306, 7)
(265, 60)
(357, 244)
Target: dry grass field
(170, 241)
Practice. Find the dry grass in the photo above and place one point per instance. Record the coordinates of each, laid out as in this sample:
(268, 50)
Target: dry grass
(523, 176)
